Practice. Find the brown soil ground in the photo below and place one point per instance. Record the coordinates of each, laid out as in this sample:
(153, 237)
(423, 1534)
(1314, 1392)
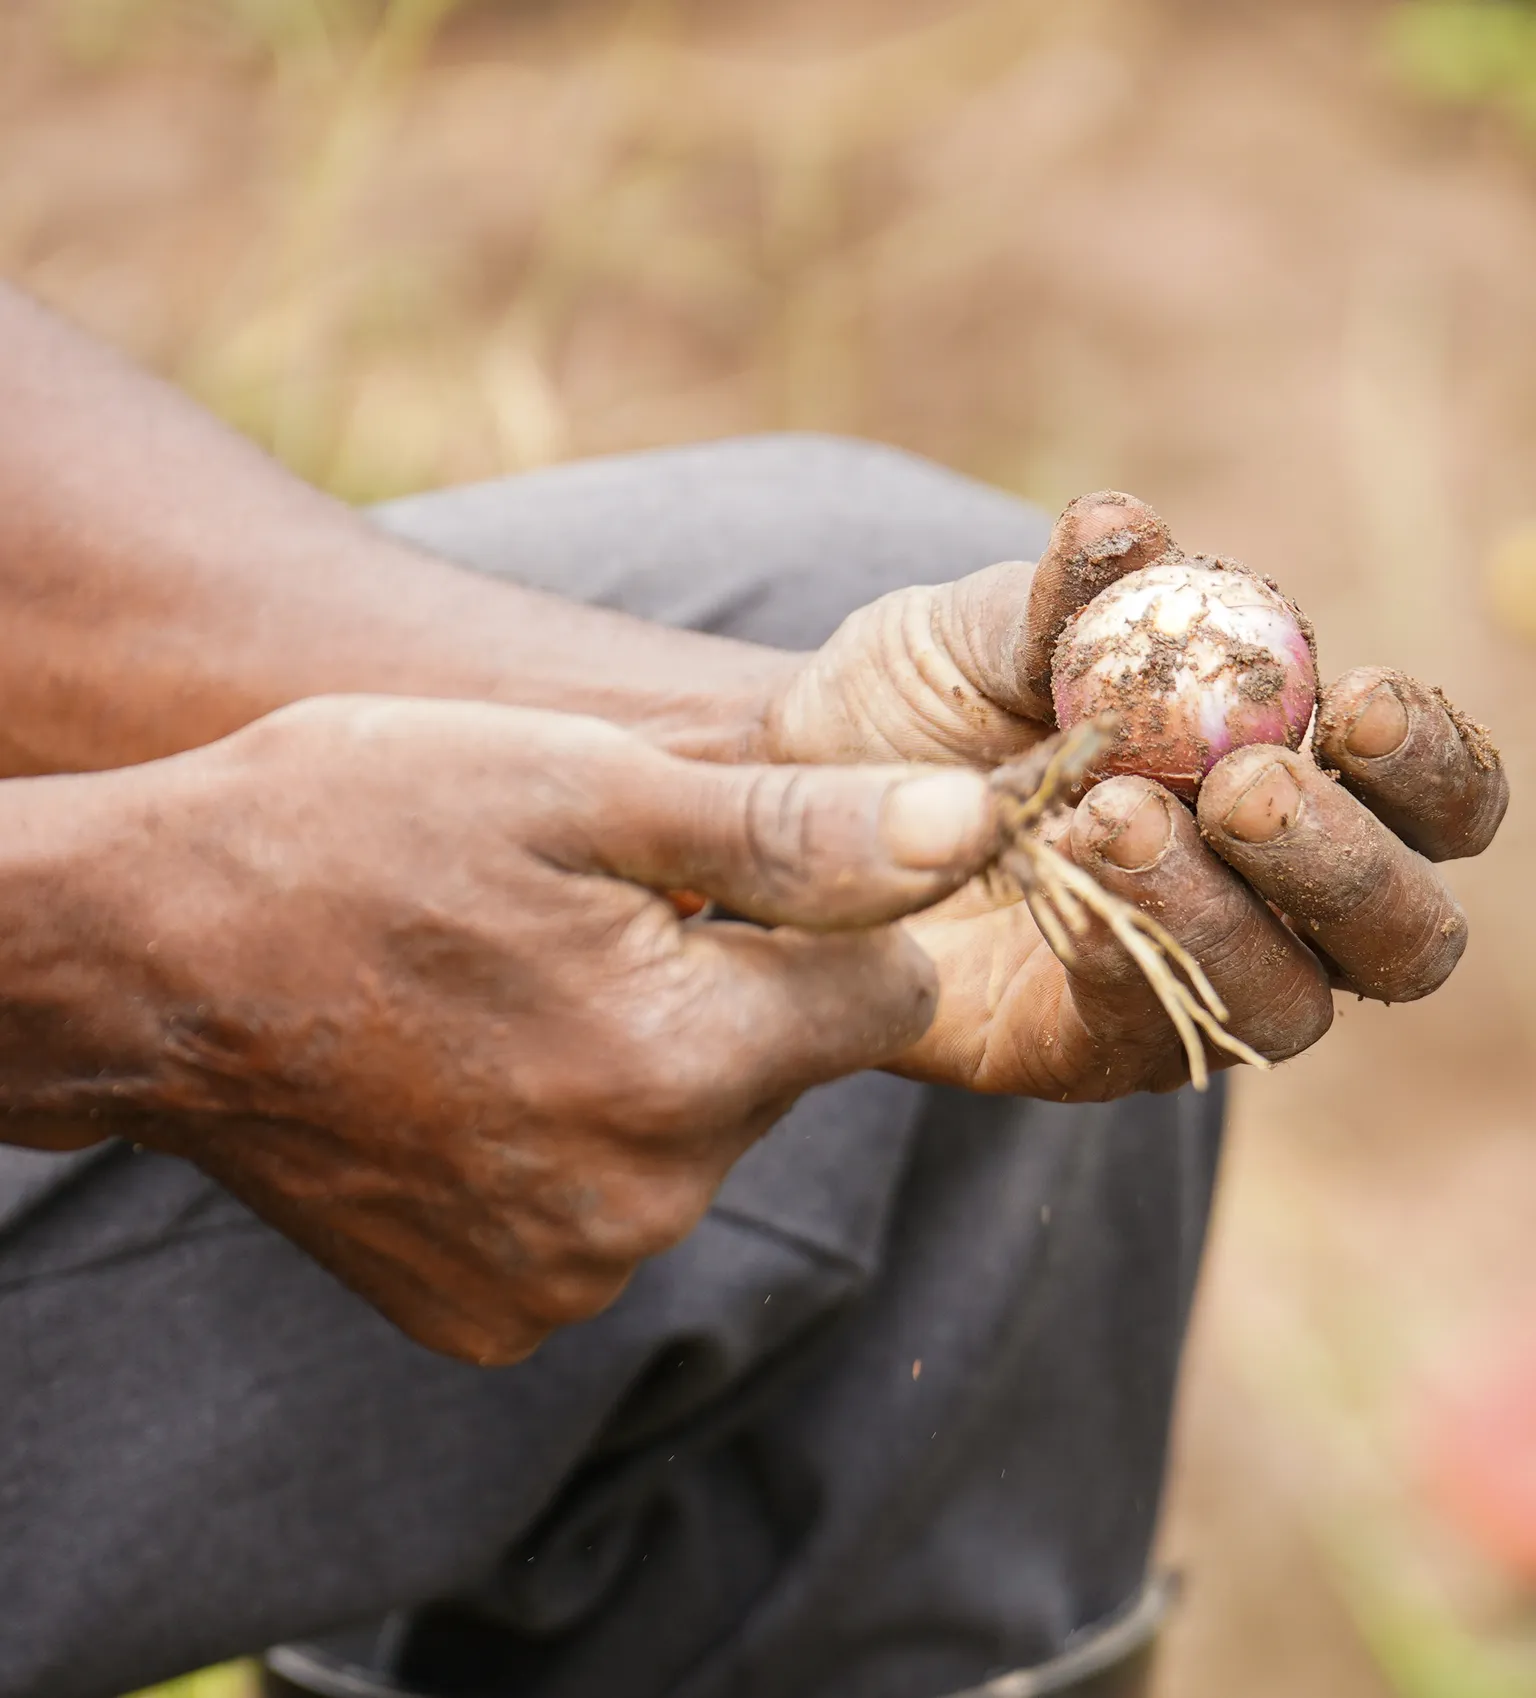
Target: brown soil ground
(1201, 249)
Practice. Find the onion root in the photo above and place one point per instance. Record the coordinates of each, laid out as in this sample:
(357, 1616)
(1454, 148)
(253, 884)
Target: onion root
(1063, 900)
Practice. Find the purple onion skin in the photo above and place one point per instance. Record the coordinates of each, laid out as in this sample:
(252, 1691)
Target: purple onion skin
(1197, 659)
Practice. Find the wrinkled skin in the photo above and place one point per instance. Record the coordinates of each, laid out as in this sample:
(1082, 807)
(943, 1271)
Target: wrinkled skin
(459, 1050)
(961, 672)
(399, 973)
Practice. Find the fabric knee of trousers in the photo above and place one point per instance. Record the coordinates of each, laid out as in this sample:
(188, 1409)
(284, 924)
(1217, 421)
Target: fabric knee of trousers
(772, 539)
(953, 1475)
(890, 1423)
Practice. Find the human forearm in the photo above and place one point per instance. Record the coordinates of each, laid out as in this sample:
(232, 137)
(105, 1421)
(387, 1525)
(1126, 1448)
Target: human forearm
(162, 583)
(394, 972)
(75, 1022)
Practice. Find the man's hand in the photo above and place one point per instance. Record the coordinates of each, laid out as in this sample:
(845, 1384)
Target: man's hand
(399, 975)
(961, 672)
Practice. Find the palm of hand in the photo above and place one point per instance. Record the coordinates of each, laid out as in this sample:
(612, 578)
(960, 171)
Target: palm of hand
(960, 673)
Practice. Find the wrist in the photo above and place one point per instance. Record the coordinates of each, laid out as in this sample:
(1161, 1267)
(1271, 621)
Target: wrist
(77, 1018)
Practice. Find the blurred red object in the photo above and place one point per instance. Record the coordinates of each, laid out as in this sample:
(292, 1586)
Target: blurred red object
(1481, 1452)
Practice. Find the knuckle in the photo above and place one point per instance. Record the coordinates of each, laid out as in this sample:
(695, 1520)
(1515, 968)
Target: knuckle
(315, 720)
(778, 830)
(564, 1296)
(1342, 867)
(646, 1217)
(1480, 825)
(663, 1089)
(492, 1335)
(1426, 957)
(1104, 967)
(1299, 1015)
(346, 718)
(1168, 1069)
(1356, 885)
(313, 710)
(1450, 821)
(1354, 889)
(655, 1081)
(1157, 1061)
(505, 1348)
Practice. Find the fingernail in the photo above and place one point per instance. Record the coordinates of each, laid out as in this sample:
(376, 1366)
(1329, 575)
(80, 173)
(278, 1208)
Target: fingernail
(1381, 725)
(1268, 807)
(1139, 840)
(931, 823)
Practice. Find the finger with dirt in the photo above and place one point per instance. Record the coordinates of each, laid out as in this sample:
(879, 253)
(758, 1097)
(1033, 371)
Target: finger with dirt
(1142, 845)
(957, 672)
(824, 848)
(1097, 540)
(1373, 905)
(1417, 762)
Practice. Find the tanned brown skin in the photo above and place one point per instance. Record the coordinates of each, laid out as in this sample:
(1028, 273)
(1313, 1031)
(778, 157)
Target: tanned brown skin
(396, 970)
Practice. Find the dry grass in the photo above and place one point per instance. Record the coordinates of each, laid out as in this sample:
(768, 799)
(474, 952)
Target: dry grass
(588, 227)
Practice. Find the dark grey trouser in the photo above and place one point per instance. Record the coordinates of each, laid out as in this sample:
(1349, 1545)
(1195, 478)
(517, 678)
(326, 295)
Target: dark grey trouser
(891, 1420)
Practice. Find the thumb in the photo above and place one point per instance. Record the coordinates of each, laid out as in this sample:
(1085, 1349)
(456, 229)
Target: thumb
(817, 847)
(961, 671)
(1005, 621)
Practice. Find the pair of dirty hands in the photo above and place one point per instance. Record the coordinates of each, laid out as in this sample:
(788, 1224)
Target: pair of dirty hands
(432, 1014)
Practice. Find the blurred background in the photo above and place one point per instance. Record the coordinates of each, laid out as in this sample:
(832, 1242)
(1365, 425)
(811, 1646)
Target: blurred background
(1270, 266)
